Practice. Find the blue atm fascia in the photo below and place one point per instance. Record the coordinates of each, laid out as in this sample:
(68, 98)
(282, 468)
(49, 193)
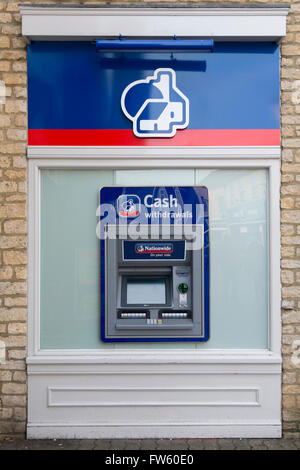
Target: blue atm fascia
(153, 267)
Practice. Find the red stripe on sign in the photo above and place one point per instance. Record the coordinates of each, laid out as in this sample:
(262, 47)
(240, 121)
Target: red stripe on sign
(125, 137)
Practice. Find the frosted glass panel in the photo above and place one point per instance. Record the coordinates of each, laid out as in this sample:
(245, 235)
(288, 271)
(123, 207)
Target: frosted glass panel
(238, 257)
(70, 308)
(70, 312)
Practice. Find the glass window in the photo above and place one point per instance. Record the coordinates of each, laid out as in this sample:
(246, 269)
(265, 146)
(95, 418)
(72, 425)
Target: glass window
(70, 311)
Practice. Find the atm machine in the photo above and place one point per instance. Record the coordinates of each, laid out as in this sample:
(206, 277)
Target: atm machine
(154, 259)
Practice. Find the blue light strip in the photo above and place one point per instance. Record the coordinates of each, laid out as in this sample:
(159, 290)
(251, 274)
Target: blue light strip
(154, 44)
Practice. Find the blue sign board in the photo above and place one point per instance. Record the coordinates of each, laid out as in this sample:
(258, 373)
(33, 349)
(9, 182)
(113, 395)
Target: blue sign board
(78, 96)
(154, 250)
(155, 204)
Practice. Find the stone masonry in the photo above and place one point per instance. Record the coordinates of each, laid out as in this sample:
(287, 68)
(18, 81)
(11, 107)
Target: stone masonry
(13, 183)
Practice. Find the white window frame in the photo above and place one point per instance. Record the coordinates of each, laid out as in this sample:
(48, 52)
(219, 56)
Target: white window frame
(114, 159)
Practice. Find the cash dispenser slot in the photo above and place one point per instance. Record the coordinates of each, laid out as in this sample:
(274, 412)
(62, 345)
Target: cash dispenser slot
(133, 315)
(169, 314)
(132, 318)
(148, 271)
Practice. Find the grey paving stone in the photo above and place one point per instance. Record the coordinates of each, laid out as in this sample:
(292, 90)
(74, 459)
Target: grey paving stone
(171, 444)
(278, 444)
(287, 444)
(119, 444)
(296, 442)
(210, 444)
(133, 444)
(68, 444)
(227, 444)
(46, 444)
(148, 444)
(14, 444)
(257, 444)
(102, 444)
(86, 444)
(196, 444)
(179, 444)
(242, 444)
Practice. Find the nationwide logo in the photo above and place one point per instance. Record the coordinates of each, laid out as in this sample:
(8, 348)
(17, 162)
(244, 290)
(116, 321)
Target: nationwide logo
(128, 205)
(156, 107)
(150, 248)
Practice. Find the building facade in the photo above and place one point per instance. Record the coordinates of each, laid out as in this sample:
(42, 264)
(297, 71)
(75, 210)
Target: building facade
(56, 378)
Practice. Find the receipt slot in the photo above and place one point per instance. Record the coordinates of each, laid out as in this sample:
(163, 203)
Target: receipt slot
(154, 260)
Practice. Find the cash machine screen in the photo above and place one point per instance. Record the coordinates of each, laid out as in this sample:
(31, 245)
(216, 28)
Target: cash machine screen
(146, 292)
